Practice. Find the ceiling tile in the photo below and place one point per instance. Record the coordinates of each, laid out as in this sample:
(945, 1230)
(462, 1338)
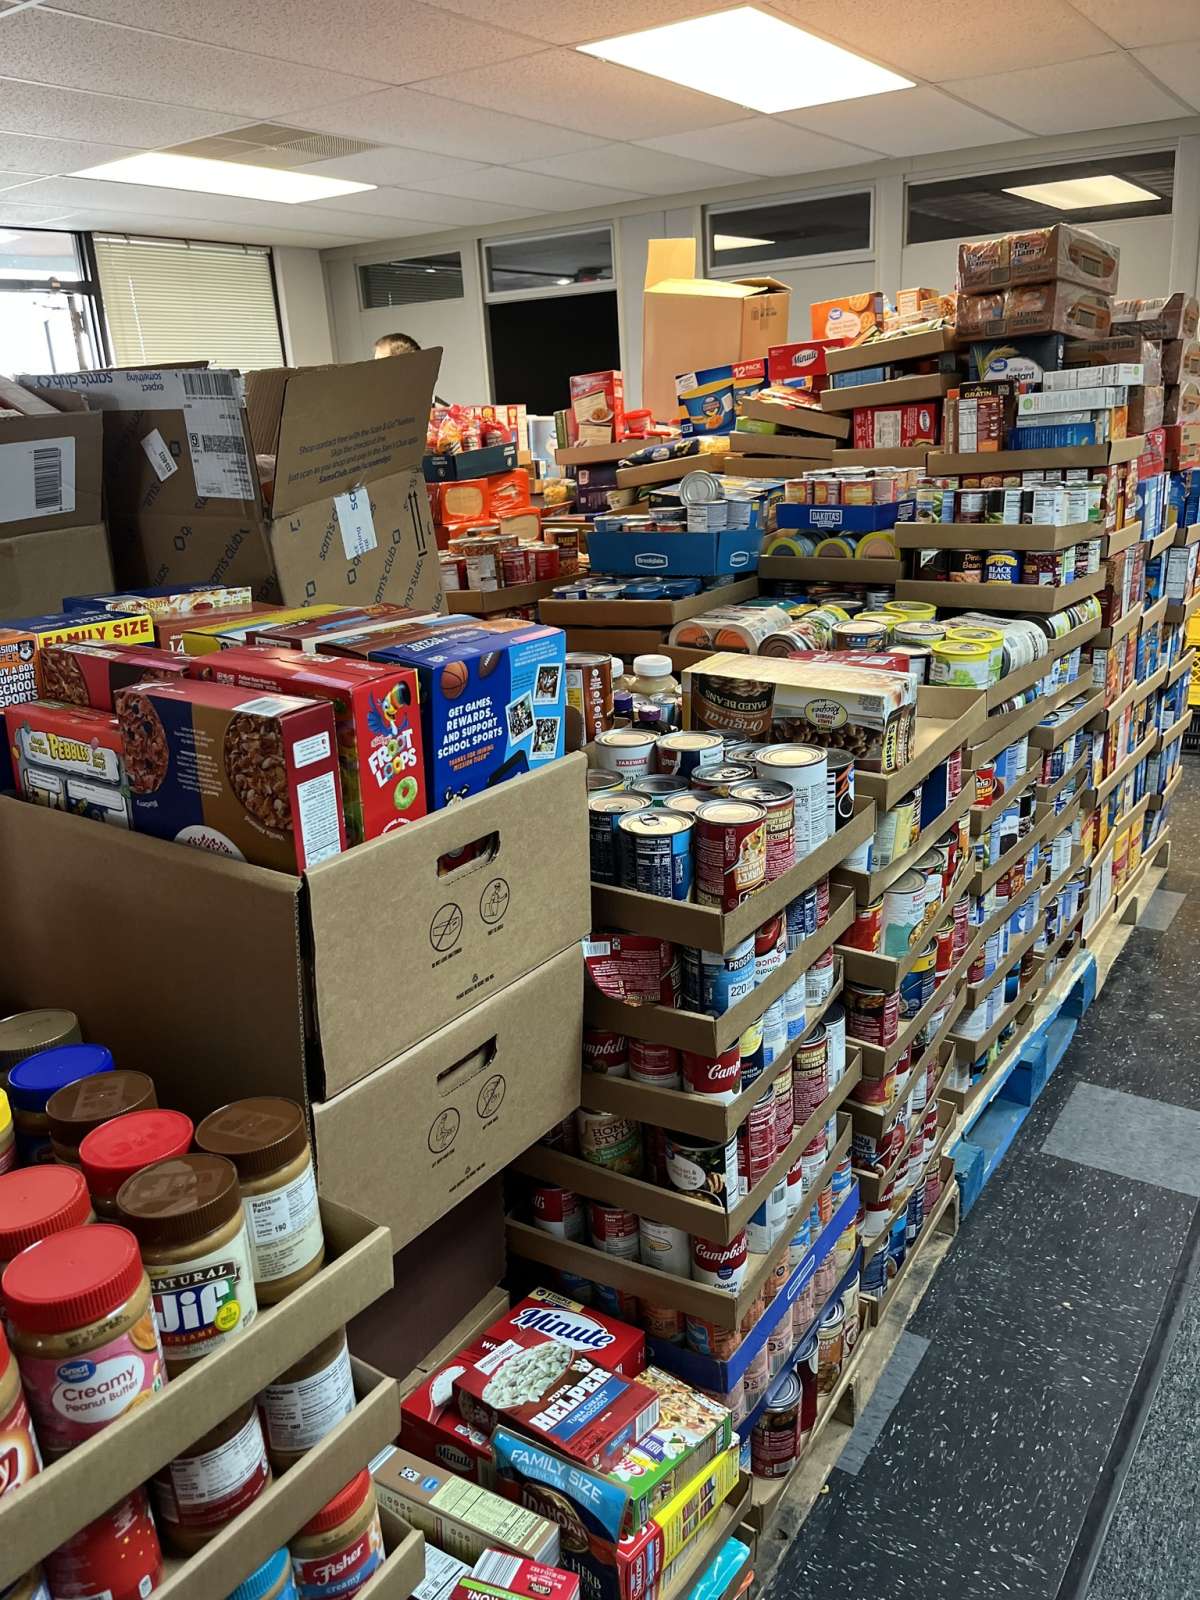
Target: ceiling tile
(16, 180)
(390, 165)
(580, 21)
(1163, 22)
(423, 121)
(1176, 65)
(26, 108)
(908, 122)
(1071, 98)
(419, 206)
(394, 41)
(19, 212)
(939, 39)
(48, 156)
(49, 47)
(764, 146)
(637, 167)
(534, 190)
(577, 91)
(171, 227)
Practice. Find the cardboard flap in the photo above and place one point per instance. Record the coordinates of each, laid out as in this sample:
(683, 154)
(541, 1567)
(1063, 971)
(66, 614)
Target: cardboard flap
(673, 259)
(705, 288)
(765, 285)
(340, 427)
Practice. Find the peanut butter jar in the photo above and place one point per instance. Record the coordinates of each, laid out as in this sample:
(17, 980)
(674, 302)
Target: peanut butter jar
(339, 1549)
(74, 1111)
(25, 1033)
(114, 1151)
(267, 1141)
(36, 1202)
(187, 1217)
(21, 1459)
(307, 1401)
(32, 1082)
(214, 1481)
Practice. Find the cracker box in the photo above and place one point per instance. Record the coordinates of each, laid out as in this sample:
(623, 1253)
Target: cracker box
(848, 319)
(251, 776)
(377, 718)
(69, 758)
(88, 674)
(504, 1577)
(463, 1519)
(107, 627)
(181, 600)
(492, 702)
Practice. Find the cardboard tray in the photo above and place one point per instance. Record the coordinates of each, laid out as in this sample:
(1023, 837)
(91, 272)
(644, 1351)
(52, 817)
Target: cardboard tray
(797, 419)
(982, 817)
(73, 1491)
(811, 445)
(1182, 666)
(1161, 541)
(1109, 636)
(284, 974)
(1123, 538)
(643, 613)
(694, 1216)
(689, 1565)
(878, 1060)
(663, 1288)
(1180, 611)
(1174, 729)
(929, 1227)
(831, 569)
(710, 1035)
(1160, 800)
(709, 928)
(781, 466)
(1022, 678)
(908, 455)
(1046, 794)
(945, 720)
(1098, 795)
(972, 1049)
(887, 972)
(948, 463)
(1018, 597)
(871, 1182)
(876, 1120)
(869, 886)
(1132, 695)
(1157, 612)
(485, 602)
(978, 992)
(1000, 731)
(892, 351)
(1188, 535)
(892, 392)
(994, 535)
(1050, 738)
(669, 471)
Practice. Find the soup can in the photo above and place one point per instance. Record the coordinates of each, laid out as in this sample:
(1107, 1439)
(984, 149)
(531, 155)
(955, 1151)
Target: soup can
(710, 1338)
(607, 1140)
(804, 769)
(714, 981)
(656, 853)
(866, 931)
(662, 1322)
(657, 1064)
(730, 853)
(606, 812)
(557, 1211)
(820, 978)
(810, 1075)
(629, 751)
(785, 1124)
(658, 788)
(717, 1079)
(716, 782)
(605, 1052)
(839, 789)
(902, 914)
(871, 1014)
(835, 1035)
(757, 1378)
(779, 803)
(613, 1230)
(721, 1266)
(704, 1168)
(666, 1248)
(807, 1369)
(682, 754)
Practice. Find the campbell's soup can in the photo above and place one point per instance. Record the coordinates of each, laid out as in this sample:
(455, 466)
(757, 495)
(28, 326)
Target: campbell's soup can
(666, 1248)
(557, 1211)
(654, 1063)
(663, 1322)
(607, 1140)
(716, 1078)
(720, 1266)
(633, 966)
(613, 1230)
(605, 1052)
(730, 847)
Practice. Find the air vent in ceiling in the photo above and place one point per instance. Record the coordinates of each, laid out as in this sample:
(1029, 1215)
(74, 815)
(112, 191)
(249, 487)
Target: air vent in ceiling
(272, 144)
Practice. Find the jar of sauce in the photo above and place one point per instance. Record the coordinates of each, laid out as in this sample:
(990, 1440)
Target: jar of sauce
(25, 1033)
(36, 1202)
(339, 1549)
(202, 1491)
(267, 1140)
(307, 1401)
(72, 1112)
(77, 1302)
(187, 1217)
(114, 1151)
(271, 1581)
(31, 1084)
(20, 1459)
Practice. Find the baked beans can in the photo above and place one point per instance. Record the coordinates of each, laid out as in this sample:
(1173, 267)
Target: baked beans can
(713, 981)
(730, 853)
(633, 966)
(605, 1052)
(607, 1140)
(903, 913)
(779, 803)
(717, 1079)
(804, 769)
(557, 1211)
(657, 1064)
(682, 754)
(819, 979)
(704, 1168)
(785, 1115)
(720, 1266)
(629, 751)
(872, 1014)
(663, 1322)
(775, 1437)
(656, 854)
(606, 812)
(613, 1230)
(866, 931)
(830, 1353)
(810, 1075)
(666, 1248)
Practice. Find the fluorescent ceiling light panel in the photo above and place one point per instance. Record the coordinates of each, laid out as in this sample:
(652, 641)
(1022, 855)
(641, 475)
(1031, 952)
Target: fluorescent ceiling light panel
(1078, 194)
(735, 241)
(162, 170)
(751, 59)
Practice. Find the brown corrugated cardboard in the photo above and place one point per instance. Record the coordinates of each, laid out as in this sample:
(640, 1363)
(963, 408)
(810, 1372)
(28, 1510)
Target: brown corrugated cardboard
(152, 548)
(690, 322)
(800, 419)
(49, 468)
(635, 614)
(892, 392)
(80, 1487)
(891, 352)
(340, 971)
(781, 444)
(426, 1129)
(37, 569)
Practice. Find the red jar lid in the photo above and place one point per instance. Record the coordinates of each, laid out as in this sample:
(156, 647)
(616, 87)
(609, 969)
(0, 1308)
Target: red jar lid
(117, 1149)
(343, 1505)
(38, 1201)
(72, 1279)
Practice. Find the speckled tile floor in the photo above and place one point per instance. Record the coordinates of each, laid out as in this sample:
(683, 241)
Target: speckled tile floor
(1043, 1441)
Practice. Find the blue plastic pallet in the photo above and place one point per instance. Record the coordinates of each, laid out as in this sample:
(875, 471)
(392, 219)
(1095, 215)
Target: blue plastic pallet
(990, 1135)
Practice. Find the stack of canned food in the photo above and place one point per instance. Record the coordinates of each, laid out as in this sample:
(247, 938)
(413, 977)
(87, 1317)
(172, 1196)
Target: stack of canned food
(911, 1088)
(901, 1210)
(975, 650)
(1042, 568)
(852, 486)
(876, 1016)
(1041, 504)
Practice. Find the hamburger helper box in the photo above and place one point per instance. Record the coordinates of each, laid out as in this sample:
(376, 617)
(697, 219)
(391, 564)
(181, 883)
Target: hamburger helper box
(377, 718)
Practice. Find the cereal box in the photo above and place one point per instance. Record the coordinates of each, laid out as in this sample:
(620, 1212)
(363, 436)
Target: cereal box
(88, 674)
(203, 639)
(107, 627)
(378, 725)
(504, 1577)
(169, 631)
(18, 681)
(69, 758)
(464, 1519)
(251, 776)
(492, 701)
(181, 600)
(311, 632)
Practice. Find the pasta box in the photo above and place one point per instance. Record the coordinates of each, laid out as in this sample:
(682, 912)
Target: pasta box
(70, 759)
(493, 701)
(87, 674)
(237, 773)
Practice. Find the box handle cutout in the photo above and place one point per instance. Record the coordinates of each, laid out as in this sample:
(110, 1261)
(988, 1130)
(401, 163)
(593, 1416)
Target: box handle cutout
(484, 849)
(467, 1067)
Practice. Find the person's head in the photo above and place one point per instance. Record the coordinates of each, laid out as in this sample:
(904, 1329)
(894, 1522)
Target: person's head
(395, 344)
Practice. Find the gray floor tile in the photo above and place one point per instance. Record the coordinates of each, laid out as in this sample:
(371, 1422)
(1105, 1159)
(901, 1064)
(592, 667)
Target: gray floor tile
(1127, 1134)
(906, 1358)
(1160, 910)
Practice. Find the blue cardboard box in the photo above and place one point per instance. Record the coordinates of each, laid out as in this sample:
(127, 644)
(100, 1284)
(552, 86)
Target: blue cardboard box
(493, 702)
(695, 555)
(470, 463)
(845, 519)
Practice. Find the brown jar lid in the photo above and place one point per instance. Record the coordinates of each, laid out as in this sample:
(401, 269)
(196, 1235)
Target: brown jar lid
(178, 1201)
(258, 1135)
(75, 1110)
(26, 1032)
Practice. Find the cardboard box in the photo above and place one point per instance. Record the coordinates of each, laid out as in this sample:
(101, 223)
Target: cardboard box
(468, 464)
(107, 627)
(461, 1518)
(691, 322)
(701, 555)
(1034, 308)
(49, 464)
(1038, 255)
(1172, 316)
(35, 568)
(787, 362)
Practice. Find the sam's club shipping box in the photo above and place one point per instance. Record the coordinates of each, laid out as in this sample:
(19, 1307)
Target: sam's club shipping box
(344, 515)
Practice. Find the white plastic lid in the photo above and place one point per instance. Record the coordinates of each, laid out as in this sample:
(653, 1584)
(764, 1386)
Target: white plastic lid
(652, 666)
(618, 668)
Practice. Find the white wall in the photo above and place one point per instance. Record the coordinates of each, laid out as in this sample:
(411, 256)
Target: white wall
(303, 309)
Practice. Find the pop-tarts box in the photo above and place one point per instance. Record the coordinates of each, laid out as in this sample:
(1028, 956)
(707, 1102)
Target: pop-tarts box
(493, 702)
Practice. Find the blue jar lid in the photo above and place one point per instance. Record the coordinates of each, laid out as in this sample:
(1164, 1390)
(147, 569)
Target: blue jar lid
(32, 1081)
(265, 1579)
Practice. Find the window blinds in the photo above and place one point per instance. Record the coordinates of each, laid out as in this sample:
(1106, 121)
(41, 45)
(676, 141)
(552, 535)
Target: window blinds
(180, 301)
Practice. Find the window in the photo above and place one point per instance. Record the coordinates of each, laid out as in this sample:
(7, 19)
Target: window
(973, 207)
(775, 232)
(410, 283)
(48, 306)
(549, 264)
(168, 300)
